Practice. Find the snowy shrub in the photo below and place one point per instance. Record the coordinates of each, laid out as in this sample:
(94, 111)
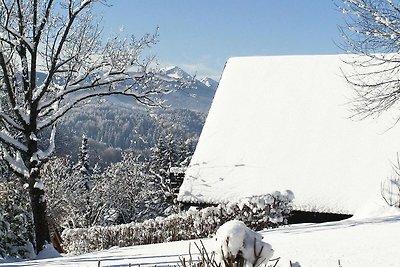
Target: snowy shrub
(16, 228)
(237, 244)
(66, 203)
(258, 212)
(48, 252)
(124, 192)
(128, 190)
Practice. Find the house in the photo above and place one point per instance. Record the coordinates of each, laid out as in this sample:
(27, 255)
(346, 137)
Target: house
(283, 122)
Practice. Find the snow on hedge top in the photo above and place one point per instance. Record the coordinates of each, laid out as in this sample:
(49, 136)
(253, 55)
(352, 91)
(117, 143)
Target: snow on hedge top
(282, 122)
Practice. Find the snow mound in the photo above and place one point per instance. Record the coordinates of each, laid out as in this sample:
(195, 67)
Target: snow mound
(233, 238)
(375, 210)
(48, 252)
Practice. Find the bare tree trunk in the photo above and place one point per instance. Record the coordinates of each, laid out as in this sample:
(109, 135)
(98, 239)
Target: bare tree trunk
(38, 204)
(37, 197)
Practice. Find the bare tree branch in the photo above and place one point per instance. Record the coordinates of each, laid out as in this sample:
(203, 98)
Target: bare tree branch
(372, 33)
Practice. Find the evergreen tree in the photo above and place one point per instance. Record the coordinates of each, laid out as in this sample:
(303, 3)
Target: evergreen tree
(83, 164)
(169, 153)
(16, 224)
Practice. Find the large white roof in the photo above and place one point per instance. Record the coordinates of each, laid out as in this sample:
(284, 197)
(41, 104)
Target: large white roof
(282, 122)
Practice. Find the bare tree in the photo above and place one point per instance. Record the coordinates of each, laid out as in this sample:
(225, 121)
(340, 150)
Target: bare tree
(372, 33)
(390, 189)
(52, 59)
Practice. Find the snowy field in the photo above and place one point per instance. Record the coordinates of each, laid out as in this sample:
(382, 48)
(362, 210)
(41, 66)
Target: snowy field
(359, 241)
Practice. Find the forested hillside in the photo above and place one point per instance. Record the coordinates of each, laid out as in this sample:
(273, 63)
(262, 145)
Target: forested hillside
(118, 124)
(112, 128)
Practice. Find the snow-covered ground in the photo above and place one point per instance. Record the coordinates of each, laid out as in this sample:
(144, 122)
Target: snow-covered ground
(359, 241)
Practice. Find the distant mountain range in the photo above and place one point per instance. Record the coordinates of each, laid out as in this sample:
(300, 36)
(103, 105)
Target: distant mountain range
(196, 98)
(120, 123)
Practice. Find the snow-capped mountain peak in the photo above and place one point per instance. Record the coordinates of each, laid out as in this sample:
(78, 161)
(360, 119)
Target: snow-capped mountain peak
(210, 83)
(197, 97)
(176, 72)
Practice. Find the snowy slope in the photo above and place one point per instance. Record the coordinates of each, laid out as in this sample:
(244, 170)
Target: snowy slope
(355, 242)
(280, 123)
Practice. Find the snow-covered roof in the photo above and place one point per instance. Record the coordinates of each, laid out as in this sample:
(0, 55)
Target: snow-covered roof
(177, 169)
(282, 122)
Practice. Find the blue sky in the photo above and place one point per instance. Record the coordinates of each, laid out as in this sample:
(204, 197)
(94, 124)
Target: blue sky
(200, 35)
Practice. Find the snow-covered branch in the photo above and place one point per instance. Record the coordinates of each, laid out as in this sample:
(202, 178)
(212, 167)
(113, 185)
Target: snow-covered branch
(141, 85)
(144, 98)
(16, 164)
(22, 38)
(8, 83)
(59, 43)
(6, 139)
(44, 155)
(43, 22)
(10, 121)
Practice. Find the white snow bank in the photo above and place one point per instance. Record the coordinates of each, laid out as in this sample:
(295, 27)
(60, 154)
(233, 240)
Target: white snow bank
(48, 252)
(233, 238)
(356, 243)
(375, 210)
(282, 122)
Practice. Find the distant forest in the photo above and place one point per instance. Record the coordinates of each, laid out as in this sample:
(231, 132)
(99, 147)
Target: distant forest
(112, 129)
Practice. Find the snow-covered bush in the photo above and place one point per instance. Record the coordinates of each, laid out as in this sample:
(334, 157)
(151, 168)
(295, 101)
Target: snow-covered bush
(122, 193)
(128, 192)
(258, 212)
(68, 202)
(16, 228)
(48, 252)
(237, 245)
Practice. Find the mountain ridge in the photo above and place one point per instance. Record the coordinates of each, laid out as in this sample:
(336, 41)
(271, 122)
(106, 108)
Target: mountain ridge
(197, 97)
